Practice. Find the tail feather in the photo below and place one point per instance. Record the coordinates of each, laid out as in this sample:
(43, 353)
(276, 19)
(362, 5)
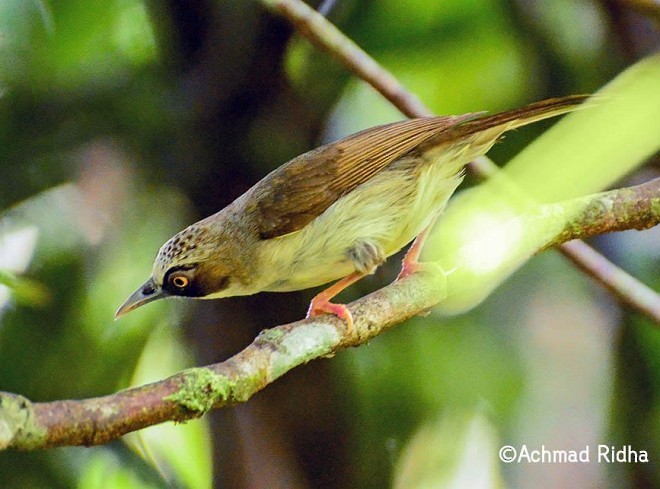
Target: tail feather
(502, 122)
(528, 114)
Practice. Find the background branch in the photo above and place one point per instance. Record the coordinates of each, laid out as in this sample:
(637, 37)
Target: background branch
(189, 394)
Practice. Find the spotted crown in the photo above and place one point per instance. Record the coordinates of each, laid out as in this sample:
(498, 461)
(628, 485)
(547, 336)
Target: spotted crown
(184, 247)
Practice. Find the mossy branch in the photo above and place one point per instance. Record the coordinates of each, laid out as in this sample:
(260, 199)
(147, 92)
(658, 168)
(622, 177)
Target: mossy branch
(25, 425)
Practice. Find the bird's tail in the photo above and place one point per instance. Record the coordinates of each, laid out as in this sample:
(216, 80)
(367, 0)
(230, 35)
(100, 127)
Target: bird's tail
(528, 114)
(482, 130)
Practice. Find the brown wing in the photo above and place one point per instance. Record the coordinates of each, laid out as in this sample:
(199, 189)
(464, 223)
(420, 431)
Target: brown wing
(299, 191)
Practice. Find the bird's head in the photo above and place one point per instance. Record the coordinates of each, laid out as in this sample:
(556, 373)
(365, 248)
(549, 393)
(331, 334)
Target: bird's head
(190, 264)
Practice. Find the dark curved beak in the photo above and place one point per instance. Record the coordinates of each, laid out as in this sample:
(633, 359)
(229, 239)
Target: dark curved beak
(148, 292)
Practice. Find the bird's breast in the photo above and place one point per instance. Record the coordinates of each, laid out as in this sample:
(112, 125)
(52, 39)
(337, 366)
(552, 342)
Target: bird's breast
(389, 211)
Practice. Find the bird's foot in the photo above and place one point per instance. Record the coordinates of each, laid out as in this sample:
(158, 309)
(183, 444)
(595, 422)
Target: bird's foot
(431, 267)
(321, 305)
(408, 267)
(410, 263)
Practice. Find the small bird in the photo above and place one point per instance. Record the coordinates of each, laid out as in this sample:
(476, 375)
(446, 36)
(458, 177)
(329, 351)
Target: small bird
(336, 212)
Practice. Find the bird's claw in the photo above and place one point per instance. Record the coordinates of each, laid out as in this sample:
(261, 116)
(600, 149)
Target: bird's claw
(408, 268)
(431, 267)
(321, 305)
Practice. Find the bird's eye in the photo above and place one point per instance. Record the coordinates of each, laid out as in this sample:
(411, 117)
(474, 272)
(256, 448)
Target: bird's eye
(180, 281)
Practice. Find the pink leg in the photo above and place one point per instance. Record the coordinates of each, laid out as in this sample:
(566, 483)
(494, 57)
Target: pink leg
(321, 303)
(411, 262)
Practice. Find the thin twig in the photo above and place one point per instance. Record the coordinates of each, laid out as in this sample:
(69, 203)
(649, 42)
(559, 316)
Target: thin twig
(325, 36)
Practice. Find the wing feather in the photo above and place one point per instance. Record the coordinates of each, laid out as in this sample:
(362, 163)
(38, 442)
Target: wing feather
(299, 191)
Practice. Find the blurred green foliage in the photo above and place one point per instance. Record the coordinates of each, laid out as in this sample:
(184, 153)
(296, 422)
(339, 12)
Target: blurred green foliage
(122, 121)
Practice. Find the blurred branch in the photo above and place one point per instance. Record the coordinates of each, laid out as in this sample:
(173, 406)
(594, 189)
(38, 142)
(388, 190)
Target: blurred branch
(191, 393)
(331, 40)
(325, 36)
(630, 291)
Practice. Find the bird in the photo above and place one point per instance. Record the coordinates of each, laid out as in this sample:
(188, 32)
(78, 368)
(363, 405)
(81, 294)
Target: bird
(335, 213)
